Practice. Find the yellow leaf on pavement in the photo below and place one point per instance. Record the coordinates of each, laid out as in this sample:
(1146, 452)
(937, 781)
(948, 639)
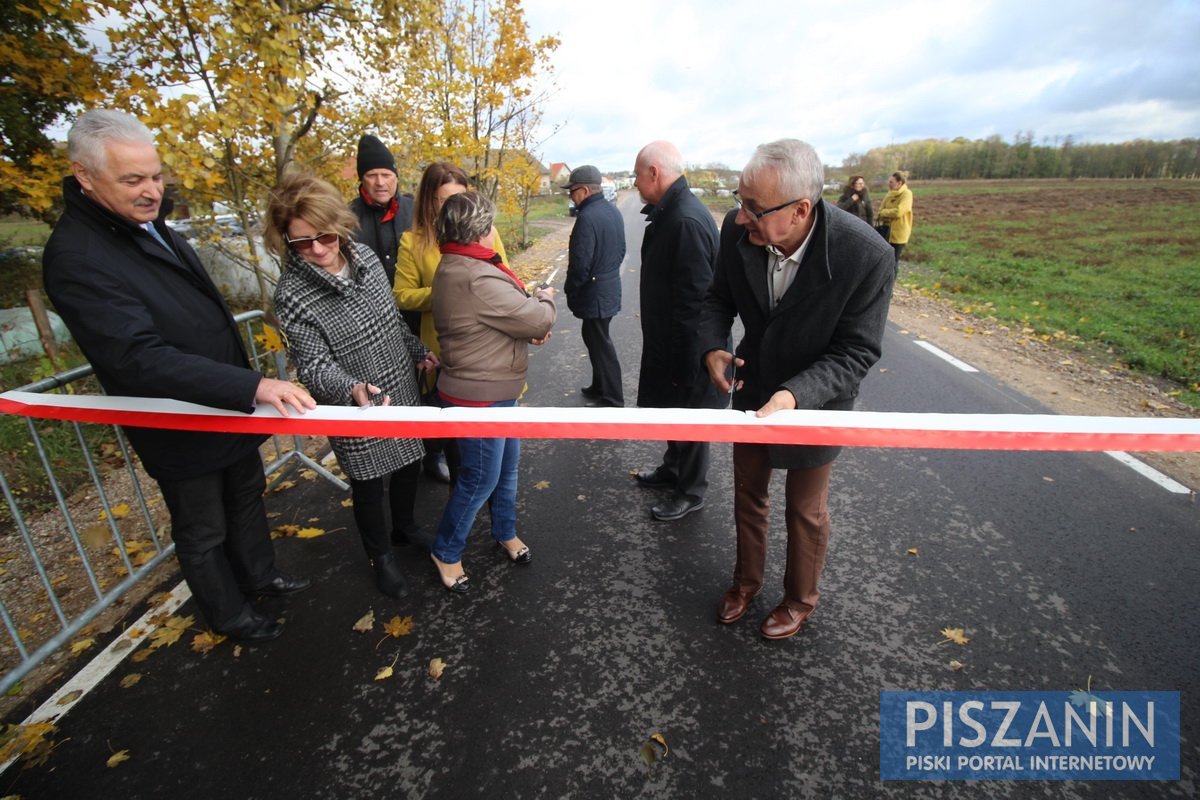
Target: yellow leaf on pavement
(399, 627)
(130, 680)
(383, 674)
(366, 622)
(436, 668)
(310, 533)
(205, 641)
(70, 697)
(956, 635)
(542, 485)
(117, 758)
(912, 551)
(81, 645)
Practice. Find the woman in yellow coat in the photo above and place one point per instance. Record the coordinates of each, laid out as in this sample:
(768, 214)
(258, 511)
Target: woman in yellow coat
(416, 264)
(896, 212)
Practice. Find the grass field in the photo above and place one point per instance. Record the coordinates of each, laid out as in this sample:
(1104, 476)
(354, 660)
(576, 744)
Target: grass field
(1113, 265)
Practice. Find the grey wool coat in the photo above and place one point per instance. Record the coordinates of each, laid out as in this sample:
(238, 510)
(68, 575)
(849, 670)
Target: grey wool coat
(825, 333)
(340, 333)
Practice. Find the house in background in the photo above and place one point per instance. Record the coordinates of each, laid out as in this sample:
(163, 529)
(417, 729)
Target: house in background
(560, 173)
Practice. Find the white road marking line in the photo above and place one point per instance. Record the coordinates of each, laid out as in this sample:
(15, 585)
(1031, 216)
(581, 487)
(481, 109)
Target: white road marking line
(942, 354)
(1137, 466)
(1148, 471)
(105, 662)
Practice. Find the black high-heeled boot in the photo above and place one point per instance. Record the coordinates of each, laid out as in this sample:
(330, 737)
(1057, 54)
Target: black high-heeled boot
(388, 577)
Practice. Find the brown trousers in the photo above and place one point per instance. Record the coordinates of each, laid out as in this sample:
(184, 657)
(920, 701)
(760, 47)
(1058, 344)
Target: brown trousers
(806, 516)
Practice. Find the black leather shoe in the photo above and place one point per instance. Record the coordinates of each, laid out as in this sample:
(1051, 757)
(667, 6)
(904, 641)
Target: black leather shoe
(282, 585)
(677, 508)
(653, 479)
(590, 391)
(388, 577)
(601, 404)
(251, 626)
(435, 467)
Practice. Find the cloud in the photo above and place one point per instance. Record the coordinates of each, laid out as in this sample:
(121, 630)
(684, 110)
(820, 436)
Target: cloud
(718, 79)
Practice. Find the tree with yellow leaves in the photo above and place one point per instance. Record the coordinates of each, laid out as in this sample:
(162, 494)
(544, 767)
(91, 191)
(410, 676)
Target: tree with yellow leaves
(47, 67)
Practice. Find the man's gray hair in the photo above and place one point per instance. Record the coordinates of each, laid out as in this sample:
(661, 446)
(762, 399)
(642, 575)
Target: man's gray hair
(93, 130)
(796, 163)
(465, 217)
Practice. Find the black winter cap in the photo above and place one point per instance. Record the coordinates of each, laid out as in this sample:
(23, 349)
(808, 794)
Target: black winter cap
(373, 154)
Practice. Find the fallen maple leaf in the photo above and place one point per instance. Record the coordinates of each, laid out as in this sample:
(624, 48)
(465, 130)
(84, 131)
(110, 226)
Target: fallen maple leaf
(205, 641)
(397, 627)
(117, 758)
(70, 697)
(912, 551)
(347, 503)
(170, 631)
(130, 680)
(542, 485)
(956, 665)
(436, 668)
(270, 339)
(955, 635)
(30, 742)
(366, 622)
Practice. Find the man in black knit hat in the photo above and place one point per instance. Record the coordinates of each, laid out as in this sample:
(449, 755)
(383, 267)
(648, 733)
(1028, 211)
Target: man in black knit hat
(383, 215)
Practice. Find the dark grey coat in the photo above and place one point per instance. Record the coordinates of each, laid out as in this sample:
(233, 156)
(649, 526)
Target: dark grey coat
(340, 333)
(826, 332)
(679, 251)
(597, 248)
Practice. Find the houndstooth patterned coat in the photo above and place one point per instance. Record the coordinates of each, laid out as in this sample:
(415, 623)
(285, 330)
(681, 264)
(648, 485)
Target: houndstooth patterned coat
(340, 333)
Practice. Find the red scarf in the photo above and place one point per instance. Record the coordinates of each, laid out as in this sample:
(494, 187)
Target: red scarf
(476, 250)
(392, 207)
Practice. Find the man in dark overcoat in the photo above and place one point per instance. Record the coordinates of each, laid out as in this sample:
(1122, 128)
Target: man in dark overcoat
(152, 324)
(383, 213)
(812, 285)
(679, 251)
(593, 283)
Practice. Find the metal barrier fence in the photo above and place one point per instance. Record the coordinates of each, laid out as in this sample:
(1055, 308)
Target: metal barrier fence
(52, 586)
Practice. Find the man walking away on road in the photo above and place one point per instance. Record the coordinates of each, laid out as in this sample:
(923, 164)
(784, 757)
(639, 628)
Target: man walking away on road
(812, 286)
(151, 322)
(593, 284)
(679, 251)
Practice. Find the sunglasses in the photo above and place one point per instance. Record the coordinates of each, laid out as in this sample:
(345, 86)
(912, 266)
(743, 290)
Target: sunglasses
(305, 243)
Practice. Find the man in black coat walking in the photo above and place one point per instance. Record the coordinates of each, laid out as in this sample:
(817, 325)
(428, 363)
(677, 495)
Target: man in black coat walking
(679, 251)
(152, 324)
(383, 214)
(812, 285)
(593, 284)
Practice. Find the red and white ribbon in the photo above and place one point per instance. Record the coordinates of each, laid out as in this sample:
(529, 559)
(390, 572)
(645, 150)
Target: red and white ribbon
(850, 428)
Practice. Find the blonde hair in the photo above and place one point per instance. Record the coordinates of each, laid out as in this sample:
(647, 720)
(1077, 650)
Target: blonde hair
(305, 196)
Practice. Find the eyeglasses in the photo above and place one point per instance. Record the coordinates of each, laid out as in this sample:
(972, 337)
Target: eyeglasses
(757, 215)
(306, 242)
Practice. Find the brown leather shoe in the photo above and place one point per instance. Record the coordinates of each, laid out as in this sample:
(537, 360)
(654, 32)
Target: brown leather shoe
(781, 623)
(733, 606)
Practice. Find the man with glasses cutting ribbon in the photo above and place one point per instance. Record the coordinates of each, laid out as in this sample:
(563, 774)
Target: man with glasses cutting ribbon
(151, 322)
(812, 285)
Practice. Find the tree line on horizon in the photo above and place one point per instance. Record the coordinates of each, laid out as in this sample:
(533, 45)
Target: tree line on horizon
(961, 158)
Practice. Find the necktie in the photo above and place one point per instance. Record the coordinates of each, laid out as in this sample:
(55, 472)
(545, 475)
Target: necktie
(149, 226)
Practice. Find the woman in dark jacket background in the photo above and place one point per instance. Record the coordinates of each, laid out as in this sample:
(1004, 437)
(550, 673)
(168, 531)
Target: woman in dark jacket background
(856, 199)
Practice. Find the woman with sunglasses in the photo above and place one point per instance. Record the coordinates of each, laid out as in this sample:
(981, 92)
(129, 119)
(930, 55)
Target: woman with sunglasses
(350, 347)
(416, 263)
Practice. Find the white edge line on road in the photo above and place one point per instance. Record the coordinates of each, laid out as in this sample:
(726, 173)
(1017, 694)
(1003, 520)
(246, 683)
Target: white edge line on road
(105, 662)
(1148, 471)
(942, 354)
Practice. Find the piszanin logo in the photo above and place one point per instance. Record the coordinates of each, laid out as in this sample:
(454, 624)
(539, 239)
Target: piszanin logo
(1124, 736)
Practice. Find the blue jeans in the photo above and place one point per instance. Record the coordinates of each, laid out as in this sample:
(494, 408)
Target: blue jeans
(488, 473)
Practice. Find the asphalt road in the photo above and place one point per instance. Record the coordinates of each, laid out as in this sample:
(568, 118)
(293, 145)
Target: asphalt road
(1060, 567)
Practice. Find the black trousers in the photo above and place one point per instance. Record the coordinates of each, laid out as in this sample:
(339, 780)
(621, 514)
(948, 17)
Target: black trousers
(368, 507)
(219, 524)
(606, 369)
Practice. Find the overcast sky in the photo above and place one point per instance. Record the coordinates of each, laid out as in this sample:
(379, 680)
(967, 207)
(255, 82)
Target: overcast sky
(718, 78)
